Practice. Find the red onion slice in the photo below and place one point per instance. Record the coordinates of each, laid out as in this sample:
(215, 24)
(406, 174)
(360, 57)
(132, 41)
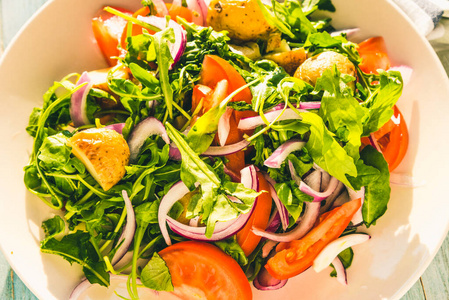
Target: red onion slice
(265, 282)
(330, 200)
(319, 196)
(117, 127)
(146, 128)
(224, 126)
(328, 254)
(282, 210)
(280, 154)
(305, 188)
(226, 150)
(311, 213)
(178, 47)
(253, 122)
(78, 101)
(176, 192)
(310, 105)
(199, 233)
(175, 154)
(199, 11)
(128, 232)
(341, 271)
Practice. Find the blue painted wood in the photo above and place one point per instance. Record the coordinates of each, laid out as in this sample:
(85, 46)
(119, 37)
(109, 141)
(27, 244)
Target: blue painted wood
(433, 285)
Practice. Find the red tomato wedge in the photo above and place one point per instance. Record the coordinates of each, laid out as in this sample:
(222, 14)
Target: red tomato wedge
(214, 70)
(297, 256)
(392, 139)
(373, 52)
(108, 30)
(247, 240)
(205, 270)
(181, 11)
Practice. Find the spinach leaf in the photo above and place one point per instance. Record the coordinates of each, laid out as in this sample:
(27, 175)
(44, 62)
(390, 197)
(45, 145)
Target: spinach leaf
(377, 192)
(156, 276)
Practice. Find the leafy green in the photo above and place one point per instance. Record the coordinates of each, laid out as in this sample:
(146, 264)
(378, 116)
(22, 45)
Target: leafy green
(377, 192)
(155, 275)
(76, 247)
(326, 152)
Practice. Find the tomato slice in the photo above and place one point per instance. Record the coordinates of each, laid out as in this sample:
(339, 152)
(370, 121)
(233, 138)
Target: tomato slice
(295, 257)
(247, 240)
(373, 52)
(175, 10)
(205, 270)
(393, 139)
(108, 30)
(216, 69)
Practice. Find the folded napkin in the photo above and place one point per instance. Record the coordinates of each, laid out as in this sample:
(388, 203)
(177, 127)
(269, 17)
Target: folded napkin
(426, 15)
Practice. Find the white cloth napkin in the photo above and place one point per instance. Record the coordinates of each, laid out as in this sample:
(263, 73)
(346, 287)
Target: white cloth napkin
(426, 15)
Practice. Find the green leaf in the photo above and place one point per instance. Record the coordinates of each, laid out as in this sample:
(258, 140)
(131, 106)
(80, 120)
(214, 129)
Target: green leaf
(193, 169)
(161, 40)
(380, 104)
(233, 249)
(76, 247)
(53, 227)
(156, 276)
(325, 150)
(54, 153)
(377, 192)
(341, 111)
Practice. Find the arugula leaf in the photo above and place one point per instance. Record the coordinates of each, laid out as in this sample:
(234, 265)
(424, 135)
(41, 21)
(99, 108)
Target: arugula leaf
(381, 102)
(377, 192)
(53, 227)
(164, 61)
(325, 150)
(156, 276)
(76, 247)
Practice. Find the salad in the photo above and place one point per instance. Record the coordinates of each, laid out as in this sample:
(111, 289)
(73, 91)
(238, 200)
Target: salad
(247, 141)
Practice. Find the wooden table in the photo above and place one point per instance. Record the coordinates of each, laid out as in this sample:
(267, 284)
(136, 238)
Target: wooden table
(433, 285)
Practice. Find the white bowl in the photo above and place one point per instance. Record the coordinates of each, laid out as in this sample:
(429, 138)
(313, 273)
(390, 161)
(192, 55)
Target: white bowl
(58, 40)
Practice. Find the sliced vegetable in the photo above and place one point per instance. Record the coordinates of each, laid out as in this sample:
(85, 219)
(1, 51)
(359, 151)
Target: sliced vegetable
(330, 252)
(216, 277)
(78, 103)
(146, 128)
(392, 139)
(253, 122)
(108, 30)
(265, 282)
(340, 270)
(128, 231)
(280, 154)
(295, 257)
(247, 240)
(373, 52)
